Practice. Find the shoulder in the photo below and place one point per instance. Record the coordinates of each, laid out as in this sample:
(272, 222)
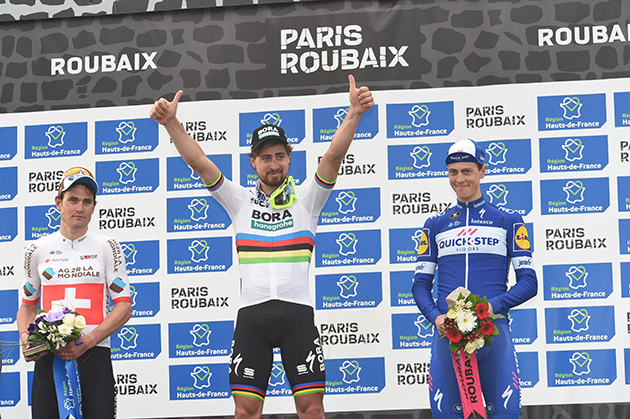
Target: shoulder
(44, 242)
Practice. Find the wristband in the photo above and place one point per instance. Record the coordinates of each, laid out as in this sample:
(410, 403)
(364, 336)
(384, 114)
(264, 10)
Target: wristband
(22, 334)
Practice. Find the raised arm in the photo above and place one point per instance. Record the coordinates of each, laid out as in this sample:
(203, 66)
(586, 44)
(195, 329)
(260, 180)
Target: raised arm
(165, 113)
(361, 100)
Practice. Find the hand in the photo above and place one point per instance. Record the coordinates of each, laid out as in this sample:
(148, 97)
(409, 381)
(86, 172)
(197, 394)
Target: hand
(361, 99)
(439, 323)
(164, 111)
(35, 357)
(71, 351)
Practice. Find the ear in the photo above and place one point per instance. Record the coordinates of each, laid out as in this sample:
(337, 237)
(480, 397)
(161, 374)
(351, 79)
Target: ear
(483, 171)
(58, 203)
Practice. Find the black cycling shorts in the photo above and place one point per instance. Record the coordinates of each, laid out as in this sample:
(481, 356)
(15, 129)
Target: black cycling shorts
(276, 324)
(97, 386)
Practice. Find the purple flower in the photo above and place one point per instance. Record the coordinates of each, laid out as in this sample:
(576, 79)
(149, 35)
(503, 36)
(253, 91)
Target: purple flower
(79, 341)
(54, 316)
(31, 328)
(38, 320)
(66, 310)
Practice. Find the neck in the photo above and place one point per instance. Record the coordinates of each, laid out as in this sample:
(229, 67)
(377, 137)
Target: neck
(72, 234)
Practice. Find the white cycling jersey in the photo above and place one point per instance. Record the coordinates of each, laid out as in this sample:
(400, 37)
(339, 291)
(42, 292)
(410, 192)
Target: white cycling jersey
(274, 246)
(87, 275)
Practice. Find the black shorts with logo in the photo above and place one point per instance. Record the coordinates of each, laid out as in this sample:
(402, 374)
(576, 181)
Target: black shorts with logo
(276, 324)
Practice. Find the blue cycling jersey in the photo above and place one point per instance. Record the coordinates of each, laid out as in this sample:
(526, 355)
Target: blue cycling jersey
(472, 245)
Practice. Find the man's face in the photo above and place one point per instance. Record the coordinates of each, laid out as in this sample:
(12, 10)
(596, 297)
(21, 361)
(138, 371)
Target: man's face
(76, 207)
(465, 179)
(272, 165)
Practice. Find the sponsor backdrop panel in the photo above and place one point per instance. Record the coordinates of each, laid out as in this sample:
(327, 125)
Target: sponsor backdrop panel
(557, 153)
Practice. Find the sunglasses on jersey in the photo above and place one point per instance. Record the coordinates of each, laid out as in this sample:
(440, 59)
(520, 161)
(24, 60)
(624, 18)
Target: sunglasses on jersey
(285, 195)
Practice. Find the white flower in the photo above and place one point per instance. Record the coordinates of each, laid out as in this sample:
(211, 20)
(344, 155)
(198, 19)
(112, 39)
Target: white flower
(65, 330)
(79, 322)
(470, 348)
(466, 321)
(68, 319)
(451, 314)
(468, 304)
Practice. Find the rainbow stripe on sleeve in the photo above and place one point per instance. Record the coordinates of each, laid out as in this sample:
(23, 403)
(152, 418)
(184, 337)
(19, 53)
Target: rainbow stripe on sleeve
(216, 184)
(328, 184)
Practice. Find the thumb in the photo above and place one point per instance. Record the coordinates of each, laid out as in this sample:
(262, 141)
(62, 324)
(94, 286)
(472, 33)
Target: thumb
(351, 81)
(178, 95)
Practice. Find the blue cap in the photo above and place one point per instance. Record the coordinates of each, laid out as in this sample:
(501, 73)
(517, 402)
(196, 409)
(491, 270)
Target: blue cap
(466, 151)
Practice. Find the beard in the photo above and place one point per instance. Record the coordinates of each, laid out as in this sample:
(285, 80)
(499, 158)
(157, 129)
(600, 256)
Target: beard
(273, 182)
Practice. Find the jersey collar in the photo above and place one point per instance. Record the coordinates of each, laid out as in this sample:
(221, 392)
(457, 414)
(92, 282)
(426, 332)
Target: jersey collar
(472, 204)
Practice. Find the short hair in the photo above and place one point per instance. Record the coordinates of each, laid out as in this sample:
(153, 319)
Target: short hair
(255, 153)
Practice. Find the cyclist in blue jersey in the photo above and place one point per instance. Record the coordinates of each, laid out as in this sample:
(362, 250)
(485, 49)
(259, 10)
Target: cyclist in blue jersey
(275, 226)
(472, 246)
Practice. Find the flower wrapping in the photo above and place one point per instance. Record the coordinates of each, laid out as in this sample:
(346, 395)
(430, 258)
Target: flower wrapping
(56, 328)
(468, 322)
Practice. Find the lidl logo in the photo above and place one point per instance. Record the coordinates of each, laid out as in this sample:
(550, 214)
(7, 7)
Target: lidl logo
(577, 281)
(128, 176)
(355, 375)
(180, 176)
(593, 367)
(348, 248)
(145, 299)
(9, 306)
(8, 145)
(507, 157)
(523, 325)
(411, 330)
(63, 140)
(421, 161)
(134, 342)
(412, 120)
(297, 169)
(200, 339)
(623, 193)
(349, 290)
(521, 237)
(8, 224)
(528, 369)
(202, 213)
(10, 385)
(141, 257)
(574, 196)
(405, 244)
(349, 206)
(8, 186)
(199, 255)
(571, 112)
(199, 381)
(292, 122)
(569, 154)
(516, 196)
(125, 136)
(580, 324)
(327, 121)
(622, 109)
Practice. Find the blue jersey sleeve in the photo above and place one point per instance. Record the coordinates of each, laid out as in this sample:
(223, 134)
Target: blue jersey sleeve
(520, 254)
(425, 269)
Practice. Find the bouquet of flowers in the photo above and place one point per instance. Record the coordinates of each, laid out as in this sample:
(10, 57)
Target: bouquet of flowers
(54, 329)
(468, 322)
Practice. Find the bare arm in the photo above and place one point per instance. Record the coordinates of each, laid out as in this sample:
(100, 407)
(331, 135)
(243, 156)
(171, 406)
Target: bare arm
(165, 113)
(119, 315)
(25, 316)
(361, 100)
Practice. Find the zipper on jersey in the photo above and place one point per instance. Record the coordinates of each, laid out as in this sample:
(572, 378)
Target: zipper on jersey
(467, 253)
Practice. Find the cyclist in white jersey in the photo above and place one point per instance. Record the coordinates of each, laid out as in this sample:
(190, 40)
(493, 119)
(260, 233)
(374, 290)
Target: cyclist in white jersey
(76, 269)
(275, 233)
